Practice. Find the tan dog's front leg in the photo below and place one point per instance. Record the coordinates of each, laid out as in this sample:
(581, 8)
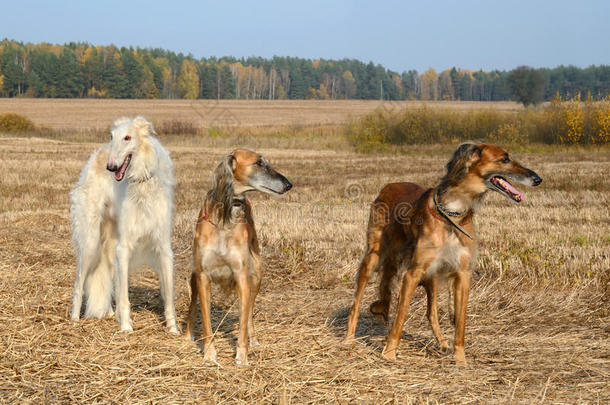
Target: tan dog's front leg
(462, 286)
(255, 283)
(188, 333)
(243, 289)
(204, 287)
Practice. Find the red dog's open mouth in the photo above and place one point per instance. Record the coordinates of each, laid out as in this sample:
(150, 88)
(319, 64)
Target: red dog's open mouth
(506, 188)
(120, 173)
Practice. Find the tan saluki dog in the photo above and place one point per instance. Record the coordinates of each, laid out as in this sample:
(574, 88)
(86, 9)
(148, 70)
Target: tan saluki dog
(226, 248)
(424, 235)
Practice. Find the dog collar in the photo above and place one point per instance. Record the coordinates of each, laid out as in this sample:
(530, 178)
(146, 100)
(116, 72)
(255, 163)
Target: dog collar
(204, 216)
(237, 202)
(445, 211)
(447, 215)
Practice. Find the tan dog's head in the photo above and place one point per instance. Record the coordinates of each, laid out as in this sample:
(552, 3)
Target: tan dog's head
(477, 167)
(241, 171)
(126, 137)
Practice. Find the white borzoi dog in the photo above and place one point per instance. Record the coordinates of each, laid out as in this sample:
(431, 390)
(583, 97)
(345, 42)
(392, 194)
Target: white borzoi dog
(123, 220)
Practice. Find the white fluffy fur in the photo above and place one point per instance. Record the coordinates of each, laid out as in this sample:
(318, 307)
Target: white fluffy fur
(119, 226)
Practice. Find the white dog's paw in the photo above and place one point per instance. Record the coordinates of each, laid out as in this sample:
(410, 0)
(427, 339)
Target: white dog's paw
(127, 328)
(173, 329)
(109, 314)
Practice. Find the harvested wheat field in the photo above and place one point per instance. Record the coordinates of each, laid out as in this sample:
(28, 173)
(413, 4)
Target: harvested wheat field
(538, 323)
(97, 114)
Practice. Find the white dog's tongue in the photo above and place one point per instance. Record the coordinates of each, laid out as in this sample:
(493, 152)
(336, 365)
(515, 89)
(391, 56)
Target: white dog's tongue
(121, 172)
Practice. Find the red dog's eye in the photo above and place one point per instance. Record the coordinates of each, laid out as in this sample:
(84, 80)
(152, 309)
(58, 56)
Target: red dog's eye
(128, 138)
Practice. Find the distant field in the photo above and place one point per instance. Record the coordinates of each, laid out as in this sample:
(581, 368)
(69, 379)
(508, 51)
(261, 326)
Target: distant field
(97, 114)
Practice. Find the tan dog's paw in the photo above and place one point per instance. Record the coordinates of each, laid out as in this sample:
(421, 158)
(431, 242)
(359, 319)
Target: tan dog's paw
(389, 354)
(458, 354)
(241, 357)
(209, 355)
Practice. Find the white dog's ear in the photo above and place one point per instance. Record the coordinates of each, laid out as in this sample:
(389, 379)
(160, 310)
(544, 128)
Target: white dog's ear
(144, 126)
(120, 121)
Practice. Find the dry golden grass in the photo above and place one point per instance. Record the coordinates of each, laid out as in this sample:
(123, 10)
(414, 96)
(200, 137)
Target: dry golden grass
(98, 114)
(538, 323)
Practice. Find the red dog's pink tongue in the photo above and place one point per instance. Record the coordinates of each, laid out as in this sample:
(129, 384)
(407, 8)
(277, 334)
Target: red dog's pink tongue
(513, 190)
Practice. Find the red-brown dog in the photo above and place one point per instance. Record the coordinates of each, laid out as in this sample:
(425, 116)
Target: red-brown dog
(426, 234)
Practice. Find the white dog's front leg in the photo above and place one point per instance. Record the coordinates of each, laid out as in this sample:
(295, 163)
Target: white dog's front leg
(77, 295)
(122, 287)
(166, 281)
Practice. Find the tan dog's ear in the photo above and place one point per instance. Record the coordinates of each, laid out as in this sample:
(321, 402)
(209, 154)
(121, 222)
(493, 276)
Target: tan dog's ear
(144, 126)
(222, 184)
(120, 121)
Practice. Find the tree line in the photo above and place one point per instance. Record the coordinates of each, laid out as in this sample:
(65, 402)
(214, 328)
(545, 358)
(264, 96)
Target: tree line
(84, 70)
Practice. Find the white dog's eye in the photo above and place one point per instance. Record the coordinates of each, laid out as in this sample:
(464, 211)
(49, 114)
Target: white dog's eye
(127, 138)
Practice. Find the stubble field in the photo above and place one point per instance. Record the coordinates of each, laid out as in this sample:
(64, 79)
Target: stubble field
(538, 323)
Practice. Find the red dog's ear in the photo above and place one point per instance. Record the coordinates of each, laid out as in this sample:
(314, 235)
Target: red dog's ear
(463, 157)
(475, 155)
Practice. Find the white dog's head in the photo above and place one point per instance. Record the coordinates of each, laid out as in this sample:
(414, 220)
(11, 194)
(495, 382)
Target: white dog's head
(126, 139)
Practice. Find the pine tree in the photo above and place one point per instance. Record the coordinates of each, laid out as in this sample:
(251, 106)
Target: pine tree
(71, 81)
(456, 83)
(297, 85)
(133, 74)
(228, 84)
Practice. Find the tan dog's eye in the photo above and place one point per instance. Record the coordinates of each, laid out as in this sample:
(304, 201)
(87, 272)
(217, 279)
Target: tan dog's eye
(505, 159)
(259, 162)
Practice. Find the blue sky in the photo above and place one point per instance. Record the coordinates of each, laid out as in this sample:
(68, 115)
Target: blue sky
(400, 35)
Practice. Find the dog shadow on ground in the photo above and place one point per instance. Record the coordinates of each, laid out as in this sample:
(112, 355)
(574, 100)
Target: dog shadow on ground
(224, 318)
(372, 332)
(144, 298)
(224, 321)
(149, 299)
